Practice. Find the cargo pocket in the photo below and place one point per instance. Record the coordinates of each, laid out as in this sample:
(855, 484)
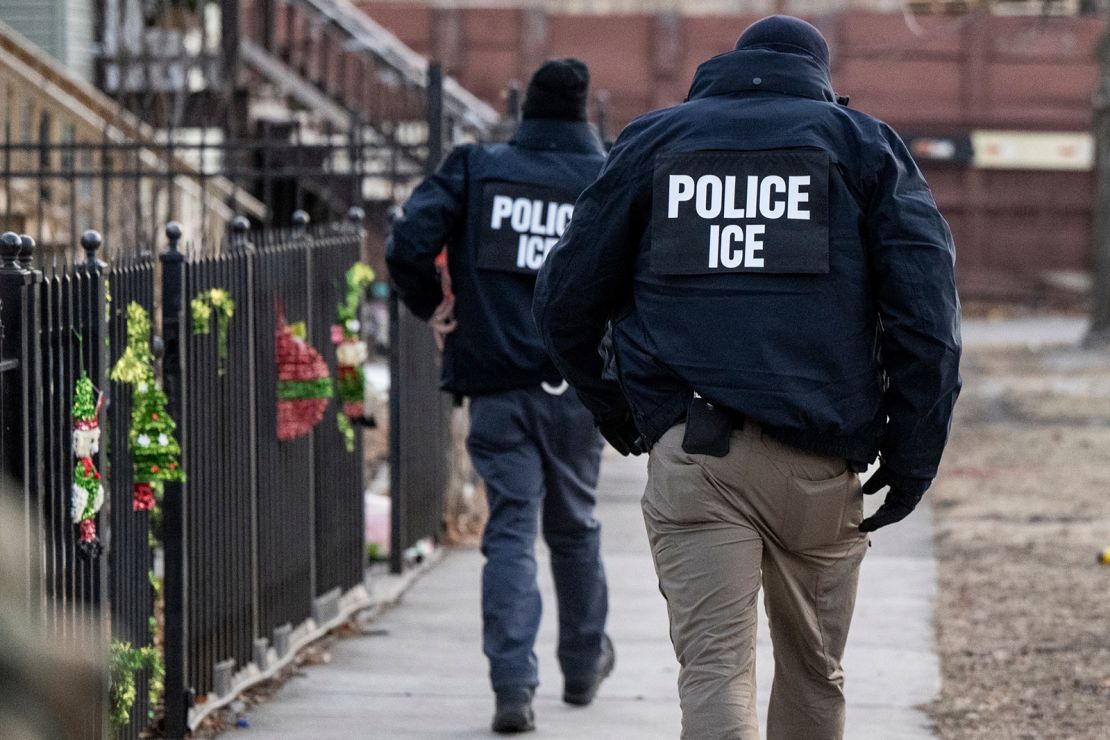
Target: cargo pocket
(815, 510)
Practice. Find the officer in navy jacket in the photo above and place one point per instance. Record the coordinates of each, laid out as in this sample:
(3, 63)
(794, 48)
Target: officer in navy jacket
(774, 287)
(499, 209)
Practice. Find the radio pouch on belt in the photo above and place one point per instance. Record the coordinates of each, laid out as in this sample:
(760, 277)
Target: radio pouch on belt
(708, 428)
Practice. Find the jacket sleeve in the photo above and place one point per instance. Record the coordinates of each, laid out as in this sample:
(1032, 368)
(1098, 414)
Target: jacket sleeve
(587, 277)
(432, 214)
(912, 264)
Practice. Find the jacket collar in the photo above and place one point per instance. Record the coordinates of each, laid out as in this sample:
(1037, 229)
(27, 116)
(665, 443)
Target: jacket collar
(761, 70)
(563, 136)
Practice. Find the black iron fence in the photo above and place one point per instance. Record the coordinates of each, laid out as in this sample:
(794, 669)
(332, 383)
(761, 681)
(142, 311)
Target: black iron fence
(261, 548)
(53, 333)
(266, 539)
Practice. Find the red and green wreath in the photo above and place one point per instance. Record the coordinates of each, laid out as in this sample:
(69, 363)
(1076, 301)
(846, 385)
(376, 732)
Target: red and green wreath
(304, 384)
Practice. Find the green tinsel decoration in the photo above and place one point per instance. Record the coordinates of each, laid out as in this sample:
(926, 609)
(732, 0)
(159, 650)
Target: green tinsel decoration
(137, 361)
(359, 276)
(128, 660)
(154, 450)
(347, 430)
(303, 390)
(202, 306)
(84, 399)
(352, 386)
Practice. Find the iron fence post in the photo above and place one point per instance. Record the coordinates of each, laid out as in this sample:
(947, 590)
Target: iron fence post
(95, 350)
(26, 251)
(397, 508)
(239, 239)
(402, 340)
(22, 432)
(300, 224)
(178, 697)
(435, 116)
(355, 217)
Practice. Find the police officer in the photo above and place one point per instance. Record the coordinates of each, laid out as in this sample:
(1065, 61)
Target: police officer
(499, 208)
(779, 286)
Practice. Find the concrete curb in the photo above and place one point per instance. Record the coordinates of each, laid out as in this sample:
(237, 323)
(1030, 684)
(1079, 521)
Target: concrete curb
(364, 603)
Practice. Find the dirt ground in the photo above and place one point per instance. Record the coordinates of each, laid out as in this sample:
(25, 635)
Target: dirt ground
(1023, 509)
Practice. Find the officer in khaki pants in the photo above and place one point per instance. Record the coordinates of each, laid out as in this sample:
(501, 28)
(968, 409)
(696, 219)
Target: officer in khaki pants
(772, 285)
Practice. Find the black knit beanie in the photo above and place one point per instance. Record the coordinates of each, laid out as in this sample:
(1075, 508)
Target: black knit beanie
(788, 34)
(558, 90)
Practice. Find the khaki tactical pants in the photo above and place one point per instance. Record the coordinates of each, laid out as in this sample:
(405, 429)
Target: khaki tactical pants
(718, 527)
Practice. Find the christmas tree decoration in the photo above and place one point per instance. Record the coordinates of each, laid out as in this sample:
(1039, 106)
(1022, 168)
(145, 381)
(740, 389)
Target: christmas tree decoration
(87, 492)
(154, 451)
(202, 306)
(351, 351)
(304, 383)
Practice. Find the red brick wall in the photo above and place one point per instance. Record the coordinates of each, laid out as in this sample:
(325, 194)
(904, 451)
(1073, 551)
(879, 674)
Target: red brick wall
(985, 72)
(954, 75)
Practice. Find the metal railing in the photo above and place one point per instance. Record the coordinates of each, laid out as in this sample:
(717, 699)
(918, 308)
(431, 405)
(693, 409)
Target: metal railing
(263, 545)
(265, 538)
(53, 331)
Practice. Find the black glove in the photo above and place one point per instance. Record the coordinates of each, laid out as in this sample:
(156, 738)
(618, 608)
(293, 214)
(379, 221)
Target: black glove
(901, 499)
(621, 432)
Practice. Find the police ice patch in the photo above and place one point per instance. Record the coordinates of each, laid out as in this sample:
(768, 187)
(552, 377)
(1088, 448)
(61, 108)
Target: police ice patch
(724, 211)
(521, 225)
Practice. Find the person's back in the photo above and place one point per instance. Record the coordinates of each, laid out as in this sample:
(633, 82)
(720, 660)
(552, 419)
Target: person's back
(521, 195)
(780, 291)
(794, 346)
(499, 209)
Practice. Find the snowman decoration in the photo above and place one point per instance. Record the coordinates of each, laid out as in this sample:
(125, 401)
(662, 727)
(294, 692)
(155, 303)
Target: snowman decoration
(87, 492)
(351, 350)
(351, 353)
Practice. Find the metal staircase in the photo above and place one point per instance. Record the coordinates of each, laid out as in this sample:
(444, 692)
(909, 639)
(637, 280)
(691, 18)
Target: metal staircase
(304, 103)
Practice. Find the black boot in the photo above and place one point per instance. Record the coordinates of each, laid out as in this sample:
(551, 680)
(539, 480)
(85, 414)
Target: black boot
(581, 691)
(514, 712)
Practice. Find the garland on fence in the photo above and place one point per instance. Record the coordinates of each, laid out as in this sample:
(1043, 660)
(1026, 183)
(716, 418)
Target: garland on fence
(220, 301)
(87, 494)
(351, 353)
(154, 451)
(304, 383)
(128, 660)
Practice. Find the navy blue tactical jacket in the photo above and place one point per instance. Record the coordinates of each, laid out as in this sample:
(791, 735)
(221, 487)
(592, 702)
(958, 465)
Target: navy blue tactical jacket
(498, 208)
(774, 251)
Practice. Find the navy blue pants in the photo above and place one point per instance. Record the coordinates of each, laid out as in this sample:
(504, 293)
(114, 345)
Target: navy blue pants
(539, 456)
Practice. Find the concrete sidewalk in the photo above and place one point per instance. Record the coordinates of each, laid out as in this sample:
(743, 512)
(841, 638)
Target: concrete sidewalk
(421, 673)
